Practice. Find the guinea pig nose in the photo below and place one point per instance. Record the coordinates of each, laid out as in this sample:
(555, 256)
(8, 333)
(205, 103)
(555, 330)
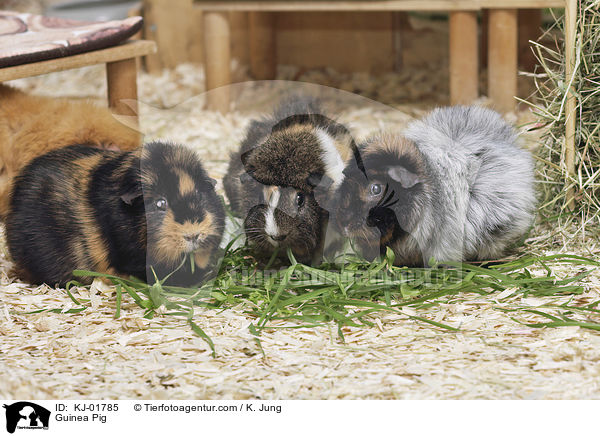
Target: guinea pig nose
(192, 237)
(279, 238)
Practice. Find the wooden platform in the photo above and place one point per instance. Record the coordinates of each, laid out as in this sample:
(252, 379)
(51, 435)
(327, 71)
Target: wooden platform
(463, 40)
(374, 5)
(121, 70)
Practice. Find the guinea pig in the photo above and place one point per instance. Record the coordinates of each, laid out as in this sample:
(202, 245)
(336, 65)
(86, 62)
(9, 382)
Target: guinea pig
(271, 179)
(455, 187)
(33, 125)
(124, 213)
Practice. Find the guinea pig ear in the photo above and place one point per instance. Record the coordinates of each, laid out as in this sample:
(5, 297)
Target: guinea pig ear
(403, 176)
(245, 178)
(245, 156)
(315, 178)
(128, 196)
(321, 185)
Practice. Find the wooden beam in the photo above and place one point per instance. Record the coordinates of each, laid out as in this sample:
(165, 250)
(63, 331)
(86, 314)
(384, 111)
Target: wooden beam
(571, 106)
(372, 5)
(126, 50)
(530, 29)
(217, 60)
(521, 4)
(168, 22)
(464, 76)
(502, 58)
(263, 57)
(400, 25)
(483, 38)
(152, 61)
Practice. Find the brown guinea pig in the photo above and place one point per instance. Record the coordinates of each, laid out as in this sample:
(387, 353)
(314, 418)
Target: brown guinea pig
(83, 207)
(32, 125)
(271, 180)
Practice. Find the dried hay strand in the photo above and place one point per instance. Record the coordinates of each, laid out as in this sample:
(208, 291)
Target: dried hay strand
(561, 175)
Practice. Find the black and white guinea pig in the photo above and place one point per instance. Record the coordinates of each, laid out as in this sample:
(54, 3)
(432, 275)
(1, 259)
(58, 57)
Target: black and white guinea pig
(454, 187)
(271, 179)
(122, 213)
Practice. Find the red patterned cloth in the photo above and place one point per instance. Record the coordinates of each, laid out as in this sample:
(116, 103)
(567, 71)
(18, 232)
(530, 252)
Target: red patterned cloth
(26, 38)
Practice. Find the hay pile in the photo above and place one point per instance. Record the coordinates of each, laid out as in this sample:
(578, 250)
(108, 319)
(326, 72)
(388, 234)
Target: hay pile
(550, 108)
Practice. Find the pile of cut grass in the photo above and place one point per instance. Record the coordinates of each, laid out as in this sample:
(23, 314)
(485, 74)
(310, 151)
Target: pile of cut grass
(349, 295)
(550, 103)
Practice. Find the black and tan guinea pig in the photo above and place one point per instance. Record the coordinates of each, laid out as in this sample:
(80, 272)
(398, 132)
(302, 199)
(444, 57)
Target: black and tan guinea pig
(122, 213)
(271, 179)
(454, 187)
(32, 125)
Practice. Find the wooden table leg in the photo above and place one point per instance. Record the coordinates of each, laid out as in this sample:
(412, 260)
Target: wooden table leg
(121, 78)
(217, 60)
(263, 59)
(502, 58)
(571, 107)
(463, 57)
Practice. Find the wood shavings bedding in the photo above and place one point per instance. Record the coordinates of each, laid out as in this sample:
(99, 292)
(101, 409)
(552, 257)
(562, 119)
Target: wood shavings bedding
(93, 355)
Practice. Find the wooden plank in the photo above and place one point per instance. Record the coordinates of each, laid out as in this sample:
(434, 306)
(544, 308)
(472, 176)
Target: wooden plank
(196, 47)
(502, 58)
(217, 53)
(373, 5)
(344, 41)
(152, 61)
(464, 64)
(571, 106)
(240, 35)
(521, 4)
(400, 24)
(530, 29)
(483, 38)
(263, 62)
(127, 50)
(168, 23)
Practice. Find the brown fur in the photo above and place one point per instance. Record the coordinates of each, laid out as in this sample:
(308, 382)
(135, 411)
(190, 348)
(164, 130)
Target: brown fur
(170, 244)
(32, 125)
(186, 183)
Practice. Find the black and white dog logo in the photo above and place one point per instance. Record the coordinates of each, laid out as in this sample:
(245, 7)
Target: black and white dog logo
(26, 415)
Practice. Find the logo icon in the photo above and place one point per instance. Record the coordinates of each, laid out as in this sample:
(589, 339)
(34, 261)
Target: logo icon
(26, 415)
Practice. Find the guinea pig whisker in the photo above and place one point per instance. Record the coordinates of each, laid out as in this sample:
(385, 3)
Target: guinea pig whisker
(254, 232)
(386, 197)
(391, 204)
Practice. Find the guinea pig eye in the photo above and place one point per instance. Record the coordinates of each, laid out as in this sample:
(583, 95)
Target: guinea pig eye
(375, 189)
(161, 204)
(300, 199)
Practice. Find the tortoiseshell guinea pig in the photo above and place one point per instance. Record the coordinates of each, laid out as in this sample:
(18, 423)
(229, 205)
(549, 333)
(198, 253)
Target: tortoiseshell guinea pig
(382, 200)
(122, 213)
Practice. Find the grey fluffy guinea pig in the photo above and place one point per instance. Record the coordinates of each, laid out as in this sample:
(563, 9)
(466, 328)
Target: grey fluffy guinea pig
(121, 213)
(454, 187)
(271, 179)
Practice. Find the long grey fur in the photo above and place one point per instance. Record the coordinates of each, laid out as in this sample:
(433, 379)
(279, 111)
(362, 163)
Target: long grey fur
(484, 195)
